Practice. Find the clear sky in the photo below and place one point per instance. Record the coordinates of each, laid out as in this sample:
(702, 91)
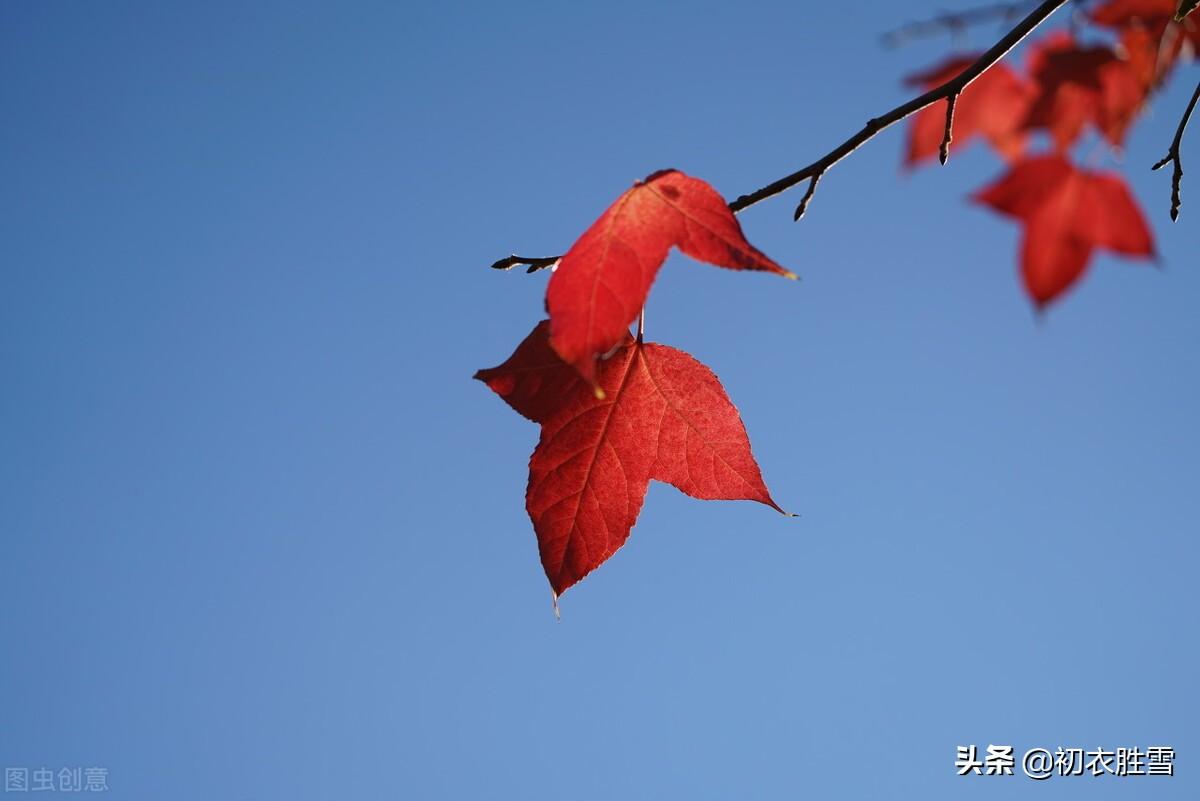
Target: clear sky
(263, 538)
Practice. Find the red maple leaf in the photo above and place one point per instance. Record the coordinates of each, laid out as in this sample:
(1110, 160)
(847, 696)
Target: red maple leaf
(993, 107)
(1116, 13)
(1153, 14)
(1149, 31)
(1081, 85)
(1067, 213)
(602, 282)
(665, 417)
(1144, 55)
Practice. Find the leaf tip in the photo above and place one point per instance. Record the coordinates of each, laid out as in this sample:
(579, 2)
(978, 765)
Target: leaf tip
(769, 501)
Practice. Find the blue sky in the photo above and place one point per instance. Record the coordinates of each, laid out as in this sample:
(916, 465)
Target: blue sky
(264, 538)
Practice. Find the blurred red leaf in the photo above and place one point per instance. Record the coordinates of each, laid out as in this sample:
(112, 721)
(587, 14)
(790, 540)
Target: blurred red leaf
(665, 417)
(993, 107)
(1116, 13)
(1161, 40)
(1153, 14)
(1081, 85)
(602, 282)
(1067, 213)
(1144, 55)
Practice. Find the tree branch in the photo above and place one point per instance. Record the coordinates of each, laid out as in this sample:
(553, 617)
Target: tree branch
(951, 88)
(948, 135)
(1174, 157)
(534, 263)
(948, 91)
(955, 21)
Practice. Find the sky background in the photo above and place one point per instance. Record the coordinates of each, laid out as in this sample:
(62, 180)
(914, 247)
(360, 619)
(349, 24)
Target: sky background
(263, 537)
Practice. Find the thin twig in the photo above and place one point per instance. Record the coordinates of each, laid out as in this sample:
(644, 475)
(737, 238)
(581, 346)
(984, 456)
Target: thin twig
(812, 190)
(954, 22)
(534, 263)
(814, 171)
(951, 87)
(948, 135)
(1174, 156)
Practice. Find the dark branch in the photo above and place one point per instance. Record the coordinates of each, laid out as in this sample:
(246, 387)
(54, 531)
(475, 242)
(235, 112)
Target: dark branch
(948, 135)
(812, 188)
(952, 87)
(1174, 157)
(813, 172)
(534, 263)
(954, 22)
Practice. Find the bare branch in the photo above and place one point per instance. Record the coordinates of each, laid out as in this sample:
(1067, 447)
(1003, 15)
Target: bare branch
(812, 188)
(813, 172)
(952, 87)
(954, 22)
(1174, 157)
(534, 263)
(948, 135)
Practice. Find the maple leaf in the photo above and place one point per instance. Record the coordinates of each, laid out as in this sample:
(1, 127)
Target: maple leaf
(1145, 58)
(1151, 13)
(1081, 85)
(1116, 13)
(665, 417)
(1162, 21)
(601, 283)
(1067, 213)
(992, 106)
